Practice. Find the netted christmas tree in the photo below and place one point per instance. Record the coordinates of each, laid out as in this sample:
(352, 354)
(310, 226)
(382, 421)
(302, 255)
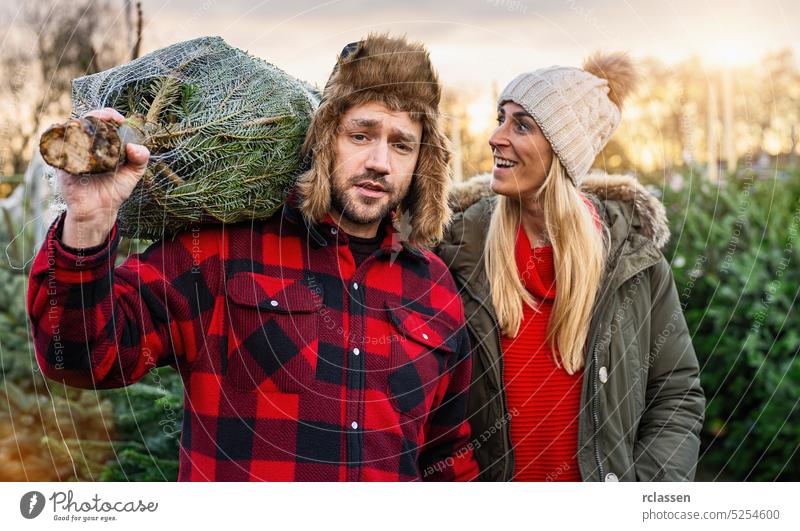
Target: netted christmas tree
(224, 131)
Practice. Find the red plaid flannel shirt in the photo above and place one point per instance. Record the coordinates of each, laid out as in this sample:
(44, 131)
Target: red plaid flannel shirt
(297, 365)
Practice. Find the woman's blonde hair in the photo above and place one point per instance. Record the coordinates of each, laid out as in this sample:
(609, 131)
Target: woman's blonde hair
(578, 255)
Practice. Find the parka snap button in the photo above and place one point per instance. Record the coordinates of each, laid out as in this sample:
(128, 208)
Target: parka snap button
(424, 335)
(273, 302)
(334, 230)
(611, 477)
(603, 374)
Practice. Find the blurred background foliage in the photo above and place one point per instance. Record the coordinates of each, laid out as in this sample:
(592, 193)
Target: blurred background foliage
(735, 254)
(50, 432)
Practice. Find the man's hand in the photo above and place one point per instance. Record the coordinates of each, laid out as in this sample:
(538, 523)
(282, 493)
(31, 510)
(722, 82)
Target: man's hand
(94, 200)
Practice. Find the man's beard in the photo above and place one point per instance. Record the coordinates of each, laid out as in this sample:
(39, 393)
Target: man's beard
(352, 210)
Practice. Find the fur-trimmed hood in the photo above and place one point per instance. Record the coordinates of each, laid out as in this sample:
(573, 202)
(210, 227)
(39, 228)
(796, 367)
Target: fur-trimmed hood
(399, 75)
(647, 214)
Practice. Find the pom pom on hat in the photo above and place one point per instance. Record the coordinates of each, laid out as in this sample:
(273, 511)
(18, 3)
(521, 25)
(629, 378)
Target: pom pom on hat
(618, 70)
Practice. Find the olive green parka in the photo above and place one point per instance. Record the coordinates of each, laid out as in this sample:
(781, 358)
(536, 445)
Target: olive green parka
(642, 406)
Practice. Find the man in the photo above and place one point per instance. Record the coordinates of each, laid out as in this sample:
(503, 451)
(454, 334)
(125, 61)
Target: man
(321, 344)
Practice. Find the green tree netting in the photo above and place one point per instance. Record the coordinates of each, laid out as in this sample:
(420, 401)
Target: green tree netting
(224, 131)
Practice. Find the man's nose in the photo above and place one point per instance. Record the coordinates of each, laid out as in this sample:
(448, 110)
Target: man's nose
(378, 160)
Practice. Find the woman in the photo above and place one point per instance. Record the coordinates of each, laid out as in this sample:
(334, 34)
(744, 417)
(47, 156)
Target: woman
(583, 367)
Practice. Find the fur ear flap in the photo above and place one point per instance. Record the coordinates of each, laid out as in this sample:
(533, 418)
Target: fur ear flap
(314, 186)
(429, 209)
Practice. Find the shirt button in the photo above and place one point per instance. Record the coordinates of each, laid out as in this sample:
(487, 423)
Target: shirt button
(603, 374)
(354, 425)
(424, 336)
(273, 303)
(334, 230)
(611, 477)
(356, 351)
(355, 285)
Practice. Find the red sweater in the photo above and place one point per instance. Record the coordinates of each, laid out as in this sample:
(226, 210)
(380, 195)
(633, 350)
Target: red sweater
(544, 430)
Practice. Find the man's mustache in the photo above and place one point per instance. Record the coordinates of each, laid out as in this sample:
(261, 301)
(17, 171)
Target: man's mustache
(372, 176)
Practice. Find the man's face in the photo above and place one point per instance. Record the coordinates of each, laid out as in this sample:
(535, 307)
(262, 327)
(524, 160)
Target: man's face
(375, 155)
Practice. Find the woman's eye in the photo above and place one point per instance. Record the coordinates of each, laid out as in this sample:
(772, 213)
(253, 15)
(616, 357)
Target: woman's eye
(523, 127)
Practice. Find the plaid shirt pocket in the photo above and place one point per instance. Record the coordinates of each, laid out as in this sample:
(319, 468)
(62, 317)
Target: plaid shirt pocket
(420, 348)
(274, 324)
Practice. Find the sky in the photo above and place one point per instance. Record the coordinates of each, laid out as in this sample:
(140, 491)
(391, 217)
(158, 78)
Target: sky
(475, 42)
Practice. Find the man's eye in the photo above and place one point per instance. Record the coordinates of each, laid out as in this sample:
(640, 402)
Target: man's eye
(358, 137)
(404, 147)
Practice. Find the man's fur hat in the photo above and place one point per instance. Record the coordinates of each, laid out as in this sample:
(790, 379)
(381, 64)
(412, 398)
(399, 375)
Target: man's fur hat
(399, 75)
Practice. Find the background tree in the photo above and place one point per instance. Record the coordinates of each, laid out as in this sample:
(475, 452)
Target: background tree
(46, 45)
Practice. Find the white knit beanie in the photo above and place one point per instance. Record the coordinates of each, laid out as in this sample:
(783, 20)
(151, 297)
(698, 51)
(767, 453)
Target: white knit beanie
(577, 110)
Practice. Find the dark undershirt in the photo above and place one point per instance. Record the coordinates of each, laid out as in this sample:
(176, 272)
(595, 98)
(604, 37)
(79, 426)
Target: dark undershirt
(362, 248)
